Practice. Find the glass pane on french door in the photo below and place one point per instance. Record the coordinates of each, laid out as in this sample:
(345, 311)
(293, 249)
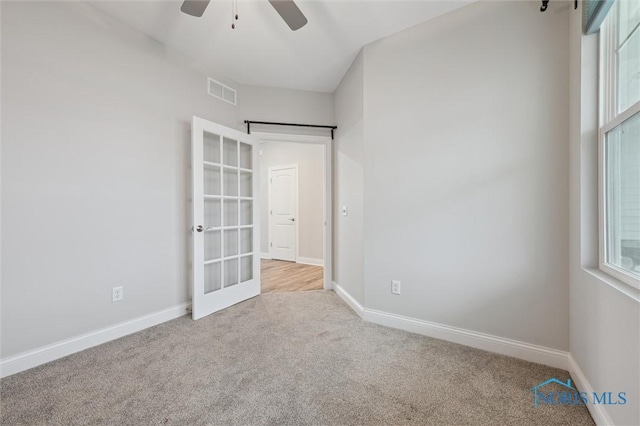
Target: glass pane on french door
(228, 212)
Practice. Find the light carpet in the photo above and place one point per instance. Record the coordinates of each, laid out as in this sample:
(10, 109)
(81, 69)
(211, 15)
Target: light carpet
(282, 359)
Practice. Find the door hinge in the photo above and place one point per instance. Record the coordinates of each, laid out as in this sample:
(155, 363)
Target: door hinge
(270, 244)
(270, 211)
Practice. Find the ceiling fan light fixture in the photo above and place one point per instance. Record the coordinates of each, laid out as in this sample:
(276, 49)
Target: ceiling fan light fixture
(287, 9)
(194, 7)
(290, 13)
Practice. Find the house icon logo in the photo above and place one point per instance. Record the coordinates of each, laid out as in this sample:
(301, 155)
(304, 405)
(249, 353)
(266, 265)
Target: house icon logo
(537, 392)
(570, 395)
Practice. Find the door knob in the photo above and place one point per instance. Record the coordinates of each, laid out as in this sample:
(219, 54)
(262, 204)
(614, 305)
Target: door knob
(199, 228)
(293, 219)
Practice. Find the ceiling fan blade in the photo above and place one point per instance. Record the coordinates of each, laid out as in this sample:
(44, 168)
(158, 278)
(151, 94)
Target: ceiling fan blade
(290, 12)
(194, 7)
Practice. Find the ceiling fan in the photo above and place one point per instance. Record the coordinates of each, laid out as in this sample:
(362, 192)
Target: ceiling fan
(287, 9)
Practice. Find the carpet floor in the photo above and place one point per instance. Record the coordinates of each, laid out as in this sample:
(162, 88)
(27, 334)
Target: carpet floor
(282, 359)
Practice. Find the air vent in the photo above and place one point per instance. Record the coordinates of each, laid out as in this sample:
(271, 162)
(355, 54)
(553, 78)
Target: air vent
(222, 91)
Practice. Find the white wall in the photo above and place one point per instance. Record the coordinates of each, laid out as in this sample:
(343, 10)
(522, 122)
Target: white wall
(466, 171)
(348, 185)
(284, 105)
(605, 314)
(95, 151)
(95, 168)
(310, 161)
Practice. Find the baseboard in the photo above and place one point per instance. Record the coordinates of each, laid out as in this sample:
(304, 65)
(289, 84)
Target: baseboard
(303, 260)
(353, 303)
(487, 342)
(310, 261)
(48, 353)
(597, 411)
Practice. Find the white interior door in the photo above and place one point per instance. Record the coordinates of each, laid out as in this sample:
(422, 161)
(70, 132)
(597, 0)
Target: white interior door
(283, 212)
(226, 227)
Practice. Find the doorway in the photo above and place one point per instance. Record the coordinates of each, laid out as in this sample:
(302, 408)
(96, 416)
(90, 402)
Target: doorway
(295, 198)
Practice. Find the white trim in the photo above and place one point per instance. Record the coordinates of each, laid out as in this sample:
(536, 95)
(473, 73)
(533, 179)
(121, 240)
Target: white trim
(526, 351)
(621, 118)
(327, 190)
(487, 342)
(607, 71)
(310, 261)
(618, 285)
(597, 411)
(618, 273)
(609, 119)
(328, 214)
(48, 353)
(265, 256)
(349, 300)
(285, 137)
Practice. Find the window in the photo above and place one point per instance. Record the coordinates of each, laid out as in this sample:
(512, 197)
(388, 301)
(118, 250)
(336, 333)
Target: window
(620, 143)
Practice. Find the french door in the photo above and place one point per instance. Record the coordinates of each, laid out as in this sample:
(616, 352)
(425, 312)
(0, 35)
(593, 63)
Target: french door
(226, 227)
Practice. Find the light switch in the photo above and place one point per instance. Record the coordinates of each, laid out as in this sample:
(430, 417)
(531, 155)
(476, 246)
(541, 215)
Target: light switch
(344, 210)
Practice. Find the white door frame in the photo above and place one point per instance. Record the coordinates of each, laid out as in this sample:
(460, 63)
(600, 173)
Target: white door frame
(327, 142)
(297, 209)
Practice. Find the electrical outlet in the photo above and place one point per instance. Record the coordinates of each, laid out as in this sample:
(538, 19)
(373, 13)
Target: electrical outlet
(395, 287)
(117, 294)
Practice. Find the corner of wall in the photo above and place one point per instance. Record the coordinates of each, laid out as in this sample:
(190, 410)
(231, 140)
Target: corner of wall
(349, 182)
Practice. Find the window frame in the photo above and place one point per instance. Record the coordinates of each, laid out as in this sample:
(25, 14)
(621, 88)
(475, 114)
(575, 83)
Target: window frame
(610, 118)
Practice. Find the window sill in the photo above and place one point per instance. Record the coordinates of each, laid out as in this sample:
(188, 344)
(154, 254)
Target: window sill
(621, 286)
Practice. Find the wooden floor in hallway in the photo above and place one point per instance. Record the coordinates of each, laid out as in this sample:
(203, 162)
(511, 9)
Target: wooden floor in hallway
(279, 276)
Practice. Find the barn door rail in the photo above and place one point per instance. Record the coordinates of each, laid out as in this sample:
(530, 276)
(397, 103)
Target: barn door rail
(273, 123)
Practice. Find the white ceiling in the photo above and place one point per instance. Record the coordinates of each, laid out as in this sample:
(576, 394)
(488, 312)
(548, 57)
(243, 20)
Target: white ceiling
(262, 50)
